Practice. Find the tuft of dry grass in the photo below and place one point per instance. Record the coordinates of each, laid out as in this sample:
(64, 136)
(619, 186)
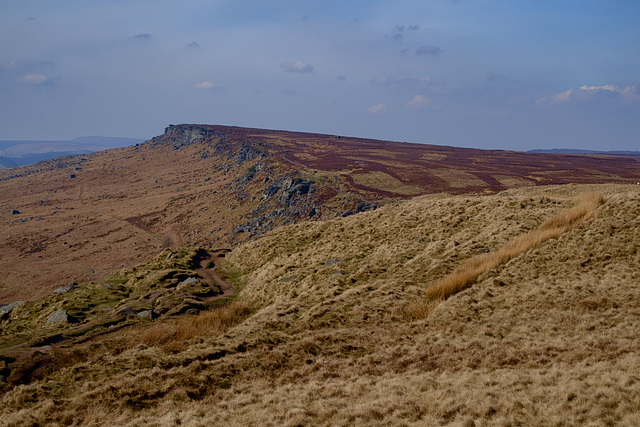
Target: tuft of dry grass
(469, 271)
(174, 337)
(417, 309)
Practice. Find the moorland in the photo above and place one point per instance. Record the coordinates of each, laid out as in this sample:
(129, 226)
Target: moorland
(241, 277)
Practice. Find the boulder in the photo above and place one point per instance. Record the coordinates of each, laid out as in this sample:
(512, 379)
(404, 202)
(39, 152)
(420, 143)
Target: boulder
(65, 288)
(15, 212)
(5, 310)
(146, 314)
(125, 311)
(59, 316)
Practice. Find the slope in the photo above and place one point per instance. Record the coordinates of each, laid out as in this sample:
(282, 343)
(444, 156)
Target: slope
(334, 338)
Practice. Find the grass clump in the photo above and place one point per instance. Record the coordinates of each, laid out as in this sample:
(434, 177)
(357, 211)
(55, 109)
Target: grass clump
(468, 272)
(172, 337)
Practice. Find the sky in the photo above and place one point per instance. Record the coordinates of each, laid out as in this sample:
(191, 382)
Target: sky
(491, 74)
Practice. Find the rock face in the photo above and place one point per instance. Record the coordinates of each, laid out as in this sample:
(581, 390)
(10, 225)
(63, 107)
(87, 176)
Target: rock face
(59, 316)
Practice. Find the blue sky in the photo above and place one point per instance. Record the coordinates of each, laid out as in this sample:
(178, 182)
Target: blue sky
(484, 73)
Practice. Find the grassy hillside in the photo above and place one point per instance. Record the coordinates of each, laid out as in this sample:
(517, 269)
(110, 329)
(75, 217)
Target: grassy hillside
(84, 218)
(335, 324)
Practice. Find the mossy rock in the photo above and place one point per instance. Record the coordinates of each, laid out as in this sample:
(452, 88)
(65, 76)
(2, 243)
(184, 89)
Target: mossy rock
(196, 287)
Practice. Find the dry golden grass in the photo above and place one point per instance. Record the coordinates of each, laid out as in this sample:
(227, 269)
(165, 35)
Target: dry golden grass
(174, 336)
(470, 270)
(338, 334)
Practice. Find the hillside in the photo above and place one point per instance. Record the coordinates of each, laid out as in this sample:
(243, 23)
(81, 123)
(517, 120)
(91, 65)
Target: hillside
(332, 324)
(84, 218)
(21, 152)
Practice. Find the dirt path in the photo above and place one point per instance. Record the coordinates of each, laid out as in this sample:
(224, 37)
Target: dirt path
(210, 275)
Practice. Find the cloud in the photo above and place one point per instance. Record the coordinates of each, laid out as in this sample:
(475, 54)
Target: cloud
(12, 65)
(401, 28)
(288, 91)
(34, 79)
(586, 93)
(297, 67)
(207, 85)
(142, 36)
(376, 109)
(404, 82)
(428, 50)
(418, 101)
(499, 78)
(341, 78)
(193, 44)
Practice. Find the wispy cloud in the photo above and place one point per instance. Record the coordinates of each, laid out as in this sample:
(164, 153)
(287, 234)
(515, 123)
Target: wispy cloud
(376, 109)
(11, 65)
(34, 79)
(142, 36)
(587, 93)
(297, 67)
(418, 101)
(207, 85)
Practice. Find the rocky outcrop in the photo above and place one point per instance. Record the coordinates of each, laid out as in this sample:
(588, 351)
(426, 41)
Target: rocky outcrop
(182, 135)
(287, 199)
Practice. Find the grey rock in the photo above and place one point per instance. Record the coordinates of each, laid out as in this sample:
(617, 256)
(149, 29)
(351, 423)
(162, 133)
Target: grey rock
(15, 212)
(188, 281)
(59, 316)
(171, 255)
(146, 314)
(65, 288)
(5, 310)
(332, 261)
(125, 311)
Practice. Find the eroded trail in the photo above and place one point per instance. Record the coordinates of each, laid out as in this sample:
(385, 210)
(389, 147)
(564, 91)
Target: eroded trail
(209, 274)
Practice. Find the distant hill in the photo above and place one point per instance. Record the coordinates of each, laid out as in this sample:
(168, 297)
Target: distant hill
(25, 152)
(578, 151)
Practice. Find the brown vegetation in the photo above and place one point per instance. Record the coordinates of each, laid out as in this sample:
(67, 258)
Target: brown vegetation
(174, 336)
(337, 335)
(215, 186)
(470, 270)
